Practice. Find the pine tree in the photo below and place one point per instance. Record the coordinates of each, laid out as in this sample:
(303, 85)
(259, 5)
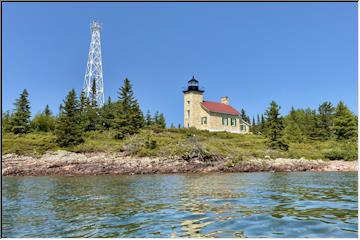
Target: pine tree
(6, 122)
(324, 121)
(156, 117)
(148, 121)
(345, 123)
(107, 114)
(137, 116)
(253, 126)
(262, 125)
(68, 130)
(92, 116)
(47, 111)
(292, 132)
(129, 117)
(61, 108)
(162, 122)
(82, 101)
(243, 116)
(274, 127)
(179, 126)
(21, 116)
(172, 126)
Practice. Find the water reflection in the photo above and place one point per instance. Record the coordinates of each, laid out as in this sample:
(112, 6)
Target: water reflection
(194, 205)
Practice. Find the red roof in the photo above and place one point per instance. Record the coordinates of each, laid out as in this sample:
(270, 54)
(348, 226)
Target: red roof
(219, 108)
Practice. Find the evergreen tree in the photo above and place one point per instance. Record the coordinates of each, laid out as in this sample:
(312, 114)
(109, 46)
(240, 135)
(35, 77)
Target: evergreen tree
(148, 121)
(129, 117)
(107, 114)
(137, 116)
(47, 111)
(82, 101)
(172, 126)
(253, 126)
(85, 112)
(274, 127)
(162, 122)
(345, 123)
(43, 122)
(156, 118)
(61, 108)
(6, 122)
(261, 128)
(244, 117)
(21, 116)
(179, 126)
(324, 121)
(68, 129)
(91, 117)
(292, 132)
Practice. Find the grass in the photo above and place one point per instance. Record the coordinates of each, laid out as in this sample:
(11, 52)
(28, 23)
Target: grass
(186, 143)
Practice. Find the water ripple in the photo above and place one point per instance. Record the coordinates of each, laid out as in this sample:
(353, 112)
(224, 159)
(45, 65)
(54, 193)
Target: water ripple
(189, 205)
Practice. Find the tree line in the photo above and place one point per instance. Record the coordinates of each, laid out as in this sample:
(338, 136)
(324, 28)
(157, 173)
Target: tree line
(328, 122)
(81, 114)
(124, 117)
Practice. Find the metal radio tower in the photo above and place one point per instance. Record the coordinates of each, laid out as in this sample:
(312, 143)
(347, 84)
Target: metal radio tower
(94, 66)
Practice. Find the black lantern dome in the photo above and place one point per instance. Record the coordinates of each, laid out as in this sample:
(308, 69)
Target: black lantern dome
(193, 85)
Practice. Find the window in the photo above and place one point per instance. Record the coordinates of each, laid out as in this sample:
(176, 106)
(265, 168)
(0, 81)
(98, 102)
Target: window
(188, 112)
(203, 120)
(224, 121)
(188, 102)
(233, 121)
(242, 127)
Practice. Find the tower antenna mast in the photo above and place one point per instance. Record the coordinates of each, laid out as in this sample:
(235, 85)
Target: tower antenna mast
(94, 66)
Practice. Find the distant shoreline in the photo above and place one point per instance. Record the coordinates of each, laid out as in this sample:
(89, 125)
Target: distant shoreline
(63, 163)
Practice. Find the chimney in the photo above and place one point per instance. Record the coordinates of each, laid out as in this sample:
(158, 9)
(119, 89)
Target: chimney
(225, 100)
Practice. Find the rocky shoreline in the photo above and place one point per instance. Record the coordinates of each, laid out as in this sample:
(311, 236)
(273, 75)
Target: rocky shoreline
(63, 163)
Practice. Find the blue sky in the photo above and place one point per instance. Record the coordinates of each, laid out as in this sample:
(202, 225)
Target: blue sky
(298, 54)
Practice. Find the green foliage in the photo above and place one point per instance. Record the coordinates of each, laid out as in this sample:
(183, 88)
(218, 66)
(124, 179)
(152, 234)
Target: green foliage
(184, 142)
(148, 120)
(253, 126)
(324, 121)
(340, 150)
(345, 123)
(82, 102)
(93, 94)
(243, 116)
(20, 120)
(292, 132)
(161, 122)
(31, 144)
(43, 122)
(68, 128)
(6, 122)
(274, 127)
(47, 111)
(128, 116)
(107, 114)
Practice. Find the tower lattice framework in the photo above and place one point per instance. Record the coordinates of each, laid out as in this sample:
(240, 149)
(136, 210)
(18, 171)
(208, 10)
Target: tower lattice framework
(94, 66)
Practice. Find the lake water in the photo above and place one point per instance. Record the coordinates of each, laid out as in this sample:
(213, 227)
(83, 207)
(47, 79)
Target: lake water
(305, 204)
